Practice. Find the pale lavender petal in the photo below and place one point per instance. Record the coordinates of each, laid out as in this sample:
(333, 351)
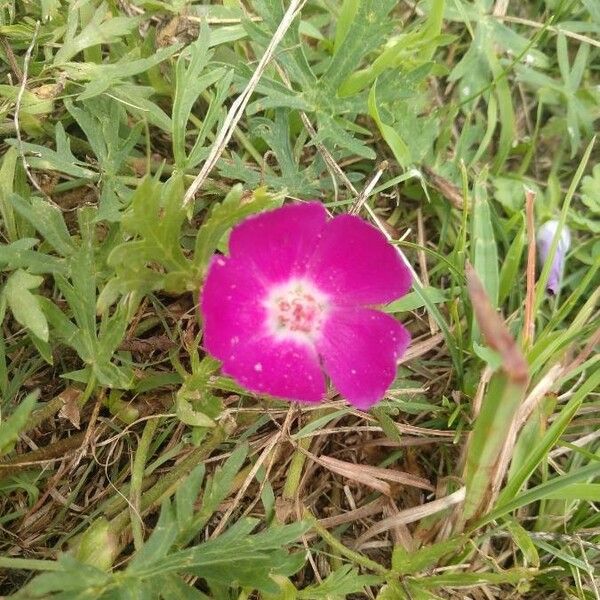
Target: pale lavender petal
(279, 242)
(285, 369)
(544, 241)
(231, 304)
(355, 264)
(360, 348)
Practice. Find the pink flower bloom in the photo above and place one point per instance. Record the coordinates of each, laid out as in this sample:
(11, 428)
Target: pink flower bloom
(294, 300)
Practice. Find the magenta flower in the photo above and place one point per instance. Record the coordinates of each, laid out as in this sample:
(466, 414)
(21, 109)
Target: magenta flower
(295, 299)
(544, 242)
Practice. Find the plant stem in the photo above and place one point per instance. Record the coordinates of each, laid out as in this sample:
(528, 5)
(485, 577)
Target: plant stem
(355, 557)
(167, 485)
(137, 476)
(30, 564)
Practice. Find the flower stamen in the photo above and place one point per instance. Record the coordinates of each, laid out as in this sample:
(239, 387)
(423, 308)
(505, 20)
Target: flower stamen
(295, 310)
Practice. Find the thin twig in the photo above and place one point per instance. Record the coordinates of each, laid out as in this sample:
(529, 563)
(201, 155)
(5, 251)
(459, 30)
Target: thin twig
(554, 29)
(17, 115)
(582, 441)
(362, 197)
(239, 105)
(500, 8)
(223, 21)
(89, 431)
(411, 515)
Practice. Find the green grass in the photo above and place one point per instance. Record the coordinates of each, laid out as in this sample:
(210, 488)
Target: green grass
(129, 467)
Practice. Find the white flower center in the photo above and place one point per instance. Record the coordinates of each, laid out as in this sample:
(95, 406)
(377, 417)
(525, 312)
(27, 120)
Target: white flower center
(296, 310)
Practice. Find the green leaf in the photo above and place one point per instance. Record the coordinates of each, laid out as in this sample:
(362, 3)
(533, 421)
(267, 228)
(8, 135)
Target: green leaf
(61, 159)
(159, 543)
(523, 540)
(31, 104)
(589, 217)
(399, 51)
(292, 176)
(152, 258)
(589, 492)
(102, 119)
(390, 135)
(11, 427)
(319, 423)
(74, 577)
(338, 585)
(510, 268)
(344, 22)
(537, 454)
(172, 586)
(19, 255)
(7, 177)
(239, 557)
(488, 437)
(565, 556)
(503, 91)
(24, 305)
(413, 300)
(489, 356)
(101, 77)
(98, 545)
(212, 117)
(363, 28)
(218, 487)
(509, 576)
(65, 330)
(136, 99)
(103, 28)
(48, 221)
(484, 250)
(406, 563)
(291, 53)
(510, 193)
(336, 131)
(185, 499)
(189, 84)
(185, 411)
(95, 343)
(549, 488)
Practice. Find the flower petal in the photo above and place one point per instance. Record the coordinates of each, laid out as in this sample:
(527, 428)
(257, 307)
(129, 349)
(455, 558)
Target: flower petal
(231, 305)
(279, 242)
(285, 369)
(355, 264)
(360, 347)
(545, 237)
